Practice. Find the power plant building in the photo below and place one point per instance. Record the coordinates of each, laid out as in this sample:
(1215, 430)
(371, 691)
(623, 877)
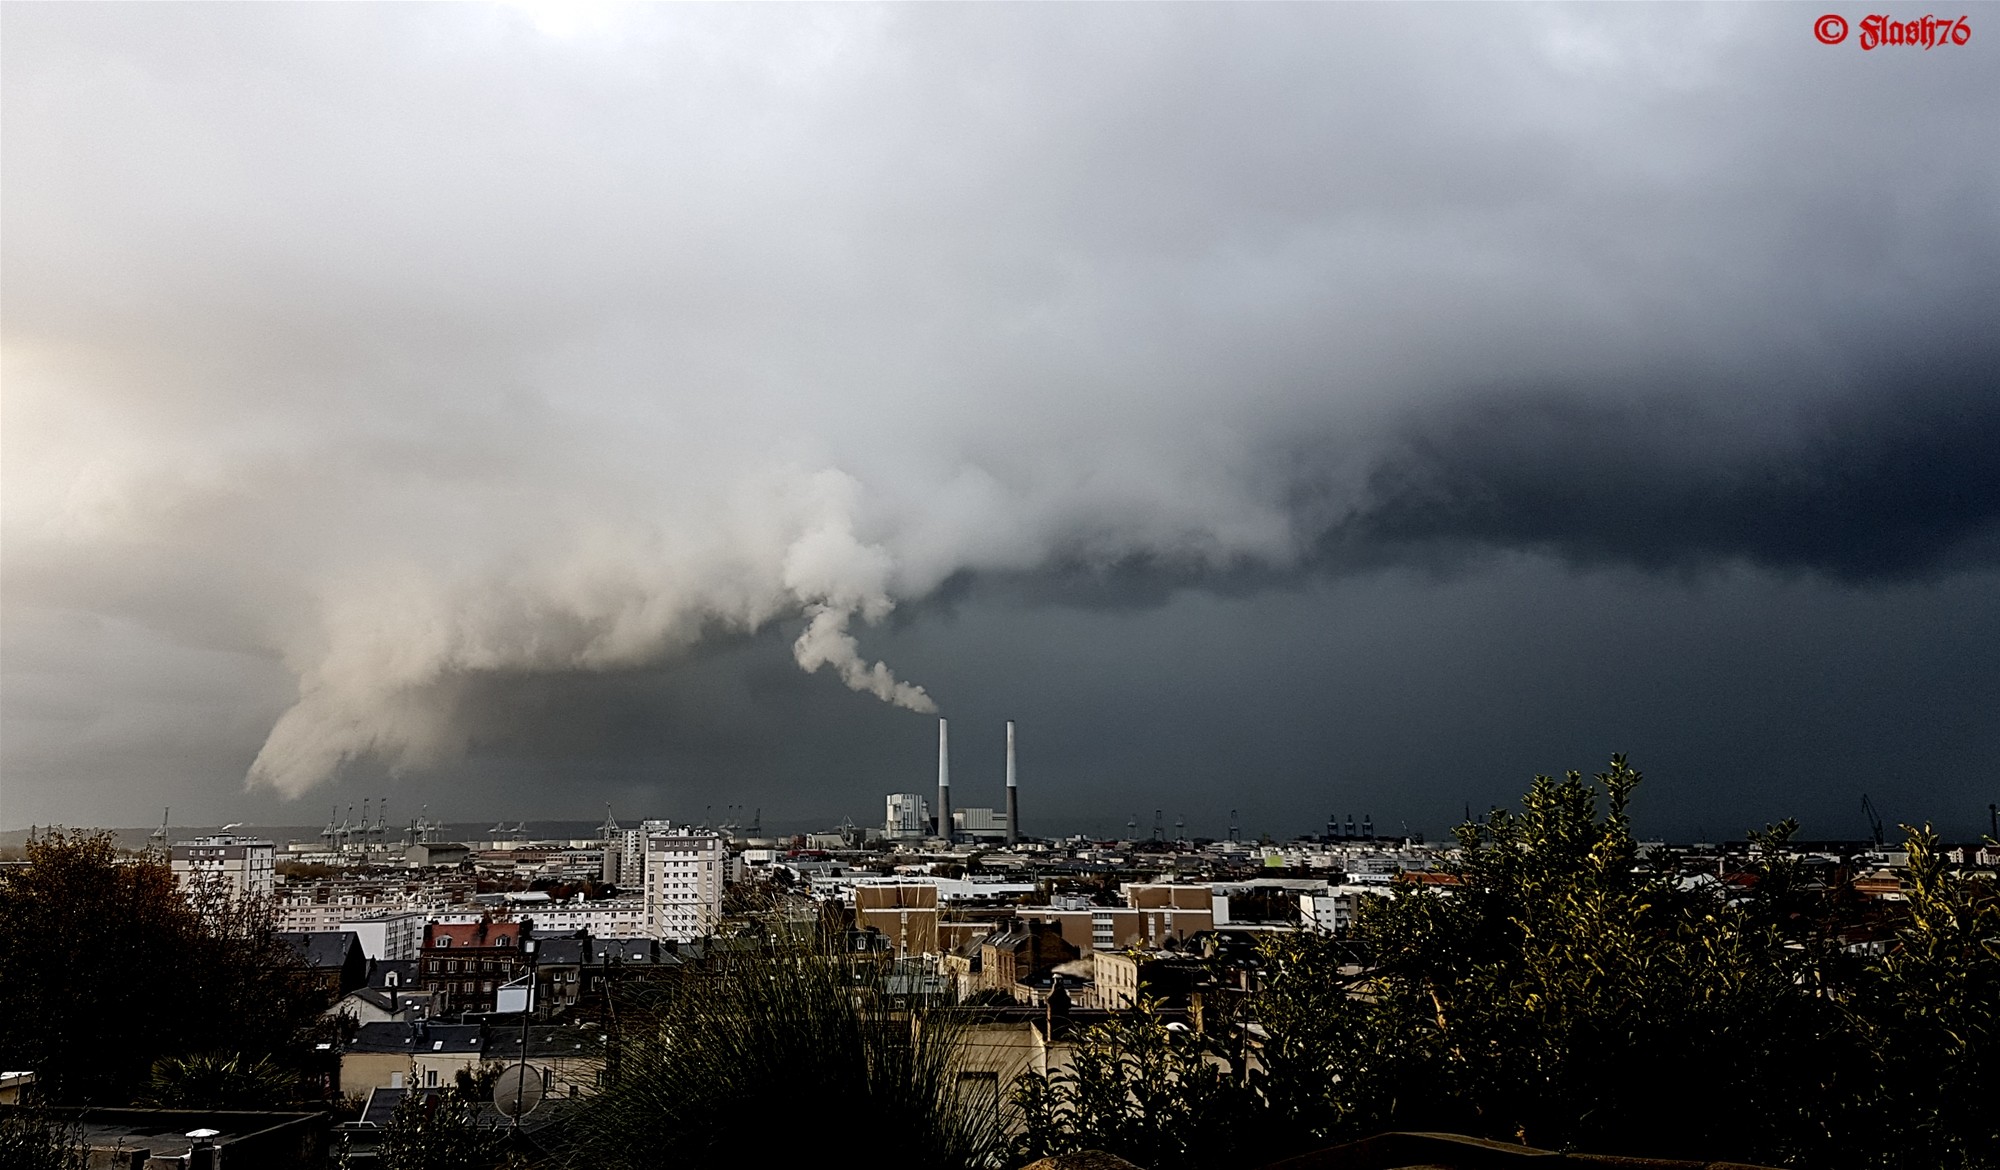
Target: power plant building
(979, 824)
(908, 819)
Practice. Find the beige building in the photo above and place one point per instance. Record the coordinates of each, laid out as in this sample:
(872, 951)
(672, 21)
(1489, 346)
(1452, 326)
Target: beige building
(1158, 912)
(420, 1055)
(904, 913)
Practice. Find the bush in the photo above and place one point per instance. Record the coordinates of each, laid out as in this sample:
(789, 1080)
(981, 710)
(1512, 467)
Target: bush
(790, 1031)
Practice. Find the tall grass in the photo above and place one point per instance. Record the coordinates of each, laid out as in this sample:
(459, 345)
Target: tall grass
(787, 1046)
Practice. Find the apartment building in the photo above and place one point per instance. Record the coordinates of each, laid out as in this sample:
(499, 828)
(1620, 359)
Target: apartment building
(684, 879)
(240, 866)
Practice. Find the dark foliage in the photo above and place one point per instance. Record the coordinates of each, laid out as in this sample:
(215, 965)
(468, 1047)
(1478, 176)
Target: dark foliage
(1560, 990)
(439, 1131)
(31, 1139)
(108, 969)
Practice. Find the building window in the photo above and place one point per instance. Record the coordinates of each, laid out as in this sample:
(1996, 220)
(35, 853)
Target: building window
(430, 1078)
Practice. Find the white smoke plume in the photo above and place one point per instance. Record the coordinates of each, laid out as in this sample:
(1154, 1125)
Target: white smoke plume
(379, 678)
(827, 642)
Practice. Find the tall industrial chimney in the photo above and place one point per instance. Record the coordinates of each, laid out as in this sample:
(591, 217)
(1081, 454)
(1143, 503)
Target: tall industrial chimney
(1013, 792)
(944, 780)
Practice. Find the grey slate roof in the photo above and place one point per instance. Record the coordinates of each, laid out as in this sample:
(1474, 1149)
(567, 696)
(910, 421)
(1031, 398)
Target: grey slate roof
(420, 1036)
(322, 950)
(546, 1043)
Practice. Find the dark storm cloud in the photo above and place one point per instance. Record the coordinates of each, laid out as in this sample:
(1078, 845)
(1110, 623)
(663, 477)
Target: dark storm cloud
(483, 374)
(1898, 480)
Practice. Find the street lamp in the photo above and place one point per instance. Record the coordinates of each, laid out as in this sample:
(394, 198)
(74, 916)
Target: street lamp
(532, 947)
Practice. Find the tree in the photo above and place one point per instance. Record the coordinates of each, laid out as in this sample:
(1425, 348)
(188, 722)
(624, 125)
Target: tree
(1145, 1088)
(108, 968)
(1931, 1007)
(438, 1131)
(1558, 991)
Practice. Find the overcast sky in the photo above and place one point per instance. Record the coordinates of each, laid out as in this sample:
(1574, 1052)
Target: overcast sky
(1292, 409)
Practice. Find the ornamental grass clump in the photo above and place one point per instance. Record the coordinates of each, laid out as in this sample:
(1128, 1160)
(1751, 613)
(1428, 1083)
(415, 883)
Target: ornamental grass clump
(784, 1039)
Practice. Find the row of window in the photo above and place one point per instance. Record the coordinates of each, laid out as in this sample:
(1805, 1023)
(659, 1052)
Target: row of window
(444, 940)
(433, 966)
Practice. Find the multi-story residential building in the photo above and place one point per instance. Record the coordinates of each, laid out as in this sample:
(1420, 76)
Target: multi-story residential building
(610, 918)
(1020, 952)
(467, 962)
(1333, 912)
(1153, 914)
(389, 935)
(1122, 978)
(227, 863)
(683, 888)
(624, 862)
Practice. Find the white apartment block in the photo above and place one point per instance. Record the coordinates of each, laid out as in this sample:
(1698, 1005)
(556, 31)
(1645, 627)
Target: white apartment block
(243, 866)
(625, 853)
(611, 918)
(303, 912)
(1334, 911)
(684, 877)
(389, 936)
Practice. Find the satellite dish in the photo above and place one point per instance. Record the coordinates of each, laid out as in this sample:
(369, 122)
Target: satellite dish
(518, 1090)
